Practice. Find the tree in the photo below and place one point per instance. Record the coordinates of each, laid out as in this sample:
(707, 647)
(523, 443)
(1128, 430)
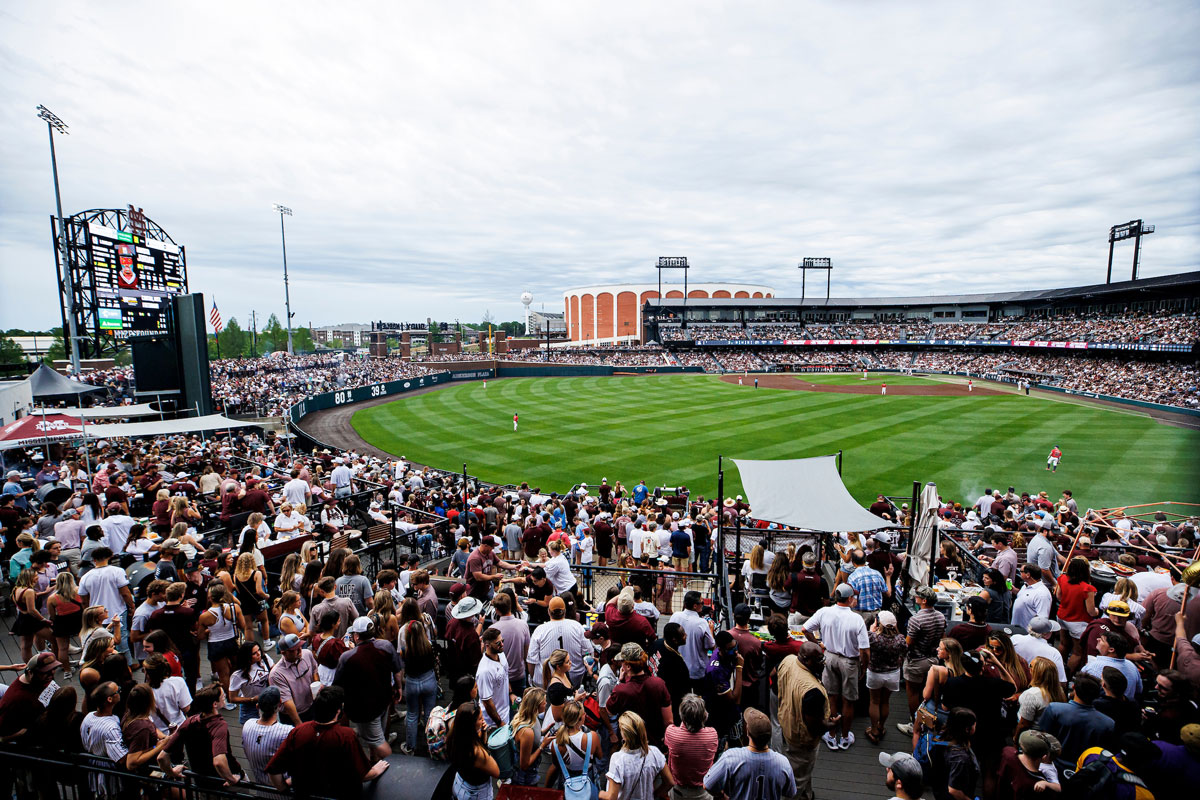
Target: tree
(435, 335)
(335, 344)
(273, 336)
(11, 352)
(234, 340)
(302, 340)
(123, 357)
(58, 349)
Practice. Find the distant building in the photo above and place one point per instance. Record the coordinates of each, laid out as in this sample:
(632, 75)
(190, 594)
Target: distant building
(611, 313)
(540, 320)
(350, 334)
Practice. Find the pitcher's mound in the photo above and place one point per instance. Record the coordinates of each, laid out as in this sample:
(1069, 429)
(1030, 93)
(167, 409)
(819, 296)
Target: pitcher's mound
(798, 384)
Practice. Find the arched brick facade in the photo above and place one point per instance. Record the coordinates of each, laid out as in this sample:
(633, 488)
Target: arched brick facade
(575, 319)
(757, 294)
(721, 293)
(742, 295)
(698, 293)
(587, 316)
(674, 293)
(605, 315)
(629, 321)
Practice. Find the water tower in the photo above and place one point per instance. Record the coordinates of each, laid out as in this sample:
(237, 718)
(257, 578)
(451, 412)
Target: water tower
(526, 300)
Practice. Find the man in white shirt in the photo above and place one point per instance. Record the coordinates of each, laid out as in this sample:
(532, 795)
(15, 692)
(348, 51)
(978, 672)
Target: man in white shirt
(699, 637)
(296, 491)
(491, 677)
(1034, 644)
(1033, 600)
(558, 634)
(634, 537)
(116, 527)
(558, 569)
(847, 653)
(343, 479)
(156, 598)
(1041, 552)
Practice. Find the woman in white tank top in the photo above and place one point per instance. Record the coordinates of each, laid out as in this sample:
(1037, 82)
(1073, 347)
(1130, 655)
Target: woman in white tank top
(220, 624)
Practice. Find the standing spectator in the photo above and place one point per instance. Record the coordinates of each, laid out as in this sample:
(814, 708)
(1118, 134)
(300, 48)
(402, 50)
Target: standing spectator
(20, 706)
(1044, 689)
(463, 647)
(205, 739)
(492, 679)
(723, 683)
(753, 772)
(262, 737)
(955, 770)
(809, 590)
(1020, 776)
(671, 666)
(1126, 714)
(691, 749)
(466, 750)
(632, 770)
(847, 649)
(974, 632)
(624, 623)
(101, 736)
(420, 680)
(925, 629)
(883, 672)
(516, 641)
(1033, 600)
(1076, 724)
(323, 757)
(1005, 560)
(355, 586)
(559, 633)
(1076, 608)
(178, 622)
(870, 586)
(107, 586)
(1113, 647)
(1035, 645)
(640, 692)
(805, 717)
(750, 647)
(370, 675)
(699, 637)
(984, 696)
(342, 606)
(293, 675)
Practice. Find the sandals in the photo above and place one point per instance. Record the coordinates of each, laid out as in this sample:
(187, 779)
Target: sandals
(873, 735)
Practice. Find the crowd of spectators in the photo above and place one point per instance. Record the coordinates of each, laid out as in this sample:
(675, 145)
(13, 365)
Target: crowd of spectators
(266, 386)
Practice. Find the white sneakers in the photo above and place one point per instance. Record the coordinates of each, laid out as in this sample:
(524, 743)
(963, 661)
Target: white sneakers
(836, 742)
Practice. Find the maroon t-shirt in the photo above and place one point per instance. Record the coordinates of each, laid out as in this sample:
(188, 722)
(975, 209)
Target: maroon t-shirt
(478, 562)
(327, 760)
(115, 494)
(255, 500)
(646, 696)
(19, 708)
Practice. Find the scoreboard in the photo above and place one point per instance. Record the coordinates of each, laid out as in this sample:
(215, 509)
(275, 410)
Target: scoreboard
(134, 277)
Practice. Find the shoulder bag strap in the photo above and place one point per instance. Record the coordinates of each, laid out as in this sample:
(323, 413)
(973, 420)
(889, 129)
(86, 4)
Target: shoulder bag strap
(561, 764)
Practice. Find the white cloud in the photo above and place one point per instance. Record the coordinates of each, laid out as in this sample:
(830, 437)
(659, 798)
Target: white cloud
(440, 160)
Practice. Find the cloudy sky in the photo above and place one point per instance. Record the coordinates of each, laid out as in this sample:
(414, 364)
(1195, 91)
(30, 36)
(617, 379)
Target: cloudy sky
(441, 158)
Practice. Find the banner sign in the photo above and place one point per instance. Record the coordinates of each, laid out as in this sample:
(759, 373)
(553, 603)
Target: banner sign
(1147, 348)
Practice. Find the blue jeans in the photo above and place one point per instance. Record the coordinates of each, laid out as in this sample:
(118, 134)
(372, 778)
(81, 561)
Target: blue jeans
(420, 694)
(425, 543)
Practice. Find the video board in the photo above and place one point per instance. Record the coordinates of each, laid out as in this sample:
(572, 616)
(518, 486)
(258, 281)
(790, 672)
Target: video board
(135, 277)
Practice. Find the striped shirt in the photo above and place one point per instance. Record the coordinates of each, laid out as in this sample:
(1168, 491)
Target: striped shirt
(261, 743)
(925, 629)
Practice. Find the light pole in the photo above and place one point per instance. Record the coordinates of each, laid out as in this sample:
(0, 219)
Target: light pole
(53, 123)
(286, 296)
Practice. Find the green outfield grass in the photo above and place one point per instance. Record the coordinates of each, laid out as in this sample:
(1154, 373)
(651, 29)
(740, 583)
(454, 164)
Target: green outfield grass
(669, 429)
(873, 379)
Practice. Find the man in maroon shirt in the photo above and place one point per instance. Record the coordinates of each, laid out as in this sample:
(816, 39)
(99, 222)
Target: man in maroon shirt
(113, 493)
(625, 624)
(642, 693)
(255, 499)
(462, 636)
(371, 676)
(204, 738)
(20, 706)
(750, 646)
(322, 757)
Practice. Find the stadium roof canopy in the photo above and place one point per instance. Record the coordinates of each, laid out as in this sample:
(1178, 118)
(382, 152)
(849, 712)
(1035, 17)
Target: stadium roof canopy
(1180, 283)
(45, 382)
(805, 493)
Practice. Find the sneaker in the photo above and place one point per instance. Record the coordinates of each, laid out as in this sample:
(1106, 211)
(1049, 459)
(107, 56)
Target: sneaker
(830, 740)
(392, 737)
(905, 727)
(269, 644)
(406, 750)
(847, 742)
(231, 707)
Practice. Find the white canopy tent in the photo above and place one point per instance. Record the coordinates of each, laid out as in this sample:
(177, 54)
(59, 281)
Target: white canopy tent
(166, 427)
(109, 412)
(805, 493)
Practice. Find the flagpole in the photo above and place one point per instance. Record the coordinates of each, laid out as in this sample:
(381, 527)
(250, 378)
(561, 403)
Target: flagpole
(216, 332)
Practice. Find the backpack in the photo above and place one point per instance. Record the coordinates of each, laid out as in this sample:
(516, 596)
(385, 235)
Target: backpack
(927, 743)
(1099, 779)
(435, 732)
(578, 787)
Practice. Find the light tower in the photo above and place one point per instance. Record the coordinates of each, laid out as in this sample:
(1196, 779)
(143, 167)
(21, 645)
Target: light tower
(526, 300)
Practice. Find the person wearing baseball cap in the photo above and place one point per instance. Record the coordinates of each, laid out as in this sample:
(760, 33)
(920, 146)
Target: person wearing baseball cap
(293, 675)
(560, 633)
(923, 632)
(371, 674)
(20, 706)
(1115, 616)
(1034, 644)
(640, 692)
(905, 778)
(847, 652)
(482, 569)
(754, 770)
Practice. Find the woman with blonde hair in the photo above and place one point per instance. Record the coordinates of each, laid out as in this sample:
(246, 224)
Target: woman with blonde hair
(1000, 643)
(1044, 689)
(183, 511)
(383, 614)
(290, 573)
(779, 581)
(571, 747)
(287, 611)
(526, 724)
(94, 625)
(66, 616)
(251, 596)
(949, 653)
(420, 680)
(188, 544)
(633, 769)
(1127, 591)
(161, 511)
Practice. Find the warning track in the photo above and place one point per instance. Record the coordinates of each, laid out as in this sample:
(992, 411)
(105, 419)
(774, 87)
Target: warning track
(798, 384)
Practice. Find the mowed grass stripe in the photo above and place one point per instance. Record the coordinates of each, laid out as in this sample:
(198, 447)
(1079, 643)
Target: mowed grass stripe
(670, 429)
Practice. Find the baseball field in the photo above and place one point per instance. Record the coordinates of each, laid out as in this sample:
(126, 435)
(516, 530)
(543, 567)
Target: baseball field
(669, 430)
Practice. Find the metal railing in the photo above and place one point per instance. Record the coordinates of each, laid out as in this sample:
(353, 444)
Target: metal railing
(666, 587)
(44, 774)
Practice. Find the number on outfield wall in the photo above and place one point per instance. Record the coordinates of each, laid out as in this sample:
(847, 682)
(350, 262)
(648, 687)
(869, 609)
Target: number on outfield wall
(378, 390)
(340, 397)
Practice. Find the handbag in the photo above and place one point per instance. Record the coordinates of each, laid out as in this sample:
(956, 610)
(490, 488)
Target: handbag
(578, 787)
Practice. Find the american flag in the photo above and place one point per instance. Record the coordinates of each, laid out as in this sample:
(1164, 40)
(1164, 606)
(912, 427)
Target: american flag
(215, 318)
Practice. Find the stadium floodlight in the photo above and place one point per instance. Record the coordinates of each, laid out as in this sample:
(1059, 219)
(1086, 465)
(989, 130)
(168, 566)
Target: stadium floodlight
(1134, 229)
(815, 263)
(54, 123)
(674, 262)
(287, 298)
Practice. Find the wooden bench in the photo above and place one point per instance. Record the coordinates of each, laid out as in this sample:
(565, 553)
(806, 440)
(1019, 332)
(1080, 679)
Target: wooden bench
(378, 533)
